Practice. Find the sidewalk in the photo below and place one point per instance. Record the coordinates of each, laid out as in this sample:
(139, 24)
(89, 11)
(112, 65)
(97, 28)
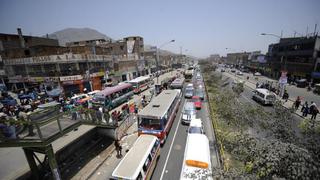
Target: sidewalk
(102, 166)
(252, 85)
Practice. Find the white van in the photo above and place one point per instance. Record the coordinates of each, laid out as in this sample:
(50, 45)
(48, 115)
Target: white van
(264, 96)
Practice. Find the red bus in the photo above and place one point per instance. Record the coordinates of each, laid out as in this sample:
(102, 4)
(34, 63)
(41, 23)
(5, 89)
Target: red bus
(158, 116)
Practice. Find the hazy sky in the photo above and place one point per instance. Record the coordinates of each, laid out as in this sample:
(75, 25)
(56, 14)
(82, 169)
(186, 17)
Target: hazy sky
(201, 27)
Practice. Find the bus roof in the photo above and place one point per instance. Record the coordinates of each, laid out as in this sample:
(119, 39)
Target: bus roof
(197, 156)
(198, 148)
(139, 79)
(109, 90)
(160, 104)
(133, 161)
(178, 81)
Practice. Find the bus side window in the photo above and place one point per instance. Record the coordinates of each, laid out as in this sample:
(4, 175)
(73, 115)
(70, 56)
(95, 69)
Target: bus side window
(139, 176)
(154, 148)
(147, 163)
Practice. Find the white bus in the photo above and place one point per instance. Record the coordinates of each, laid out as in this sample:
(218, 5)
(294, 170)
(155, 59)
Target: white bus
(140, 161)
(141, 83)
(158, 116)
(196, 162)
(177, 83)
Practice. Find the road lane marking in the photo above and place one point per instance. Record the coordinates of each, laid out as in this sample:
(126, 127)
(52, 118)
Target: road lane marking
(174, 136)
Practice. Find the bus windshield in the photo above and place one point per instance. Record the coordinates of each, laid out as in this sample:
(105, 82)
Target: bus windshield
(148, 123)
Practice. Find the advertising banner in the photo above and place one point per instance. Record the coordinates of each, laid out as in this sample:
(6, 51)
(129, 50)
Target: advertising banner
(130, 46)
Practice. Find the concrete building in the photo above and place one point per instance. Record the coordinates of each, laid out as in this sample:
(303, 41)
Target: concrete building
(298, 56)
(84, 64)
(238, 59)
(14, 41)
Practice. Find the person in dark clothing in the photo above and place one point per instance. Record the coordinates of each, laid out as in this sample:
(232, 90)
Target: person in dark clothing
(285, 95)
(305, 110)
(314, 113)
(118, 148)
(297, 102)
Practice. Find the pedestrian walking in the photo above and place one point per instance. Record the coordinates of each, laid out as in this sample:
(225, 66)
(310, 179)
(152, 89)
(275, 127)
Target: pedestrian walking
(312, 106)
(297, 102)
(285, 95)
(305, 110)
(118, 148)
(314, 112)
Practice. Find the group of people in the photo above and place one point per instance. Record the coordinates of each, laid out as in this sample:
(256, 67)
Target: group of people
(306, 109)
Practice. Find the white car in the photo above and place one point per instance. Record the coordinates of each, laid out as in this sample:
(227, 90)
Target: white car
(239, 73)
(188, 113)
(257, 74)
(195, 126)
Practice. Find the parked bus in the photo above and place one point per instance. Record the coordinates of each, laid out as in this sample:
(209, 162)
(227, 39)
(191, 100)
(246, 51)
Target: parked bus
(140, 162)
(141, 83)
(188, 75)
(112, 97)
(157, 117)
(196, 158)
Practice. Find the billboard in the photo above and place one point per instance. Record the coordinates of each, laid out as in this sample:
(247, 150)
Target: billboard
(130, 46)
(262, 59)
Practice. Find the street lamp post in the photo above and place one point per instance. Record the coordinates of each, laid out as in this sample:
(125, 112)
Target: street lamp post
(158, 58)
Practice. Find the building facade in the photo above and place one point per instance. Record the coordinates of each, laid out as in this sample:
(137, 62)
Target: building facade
(32, 62)
(298, 56)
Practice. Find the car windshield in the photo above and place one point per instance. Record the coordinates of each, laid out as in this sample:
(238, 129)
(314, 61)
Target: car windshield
(195, 130)
(189, 111)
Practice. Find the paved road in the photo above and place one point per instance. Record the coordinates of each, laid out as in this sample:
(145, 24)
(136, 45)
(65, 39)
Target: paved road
(246, 97)
(170, 162)
(293, 91)
(171, 157)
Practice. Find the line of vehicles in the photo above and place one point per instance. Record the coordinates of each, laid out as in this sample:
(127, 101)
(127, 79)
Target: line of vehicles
(154, 123)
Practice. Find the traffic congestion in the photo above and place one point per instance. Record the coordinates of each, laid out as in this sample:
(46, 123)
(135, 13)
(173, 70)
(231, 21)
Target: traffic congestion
(155, 114)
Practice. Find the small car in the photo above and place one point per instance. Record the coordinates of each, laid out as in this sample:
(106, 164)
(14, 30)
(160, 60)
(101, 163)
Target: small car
(257, 74)
(188, 113)
(239, 73)
(223, 70)
(197, 102)
(188, 93)
(195, 127)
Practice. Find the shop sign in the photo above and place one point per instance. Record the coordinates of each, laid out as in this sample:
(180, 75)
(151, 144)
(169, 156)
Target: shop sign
(70, 78)
(35, 79)
(97, 74)
(51, 79)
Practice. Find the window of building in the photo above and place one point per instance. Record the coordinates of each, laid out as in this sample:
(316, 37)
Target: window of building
(27, 52)
(121, 47)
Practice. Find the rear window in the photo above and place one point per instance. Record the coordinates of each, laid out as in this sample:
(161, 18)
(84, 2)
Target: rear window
(195, 130)
(270, 97)
(260, 94)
